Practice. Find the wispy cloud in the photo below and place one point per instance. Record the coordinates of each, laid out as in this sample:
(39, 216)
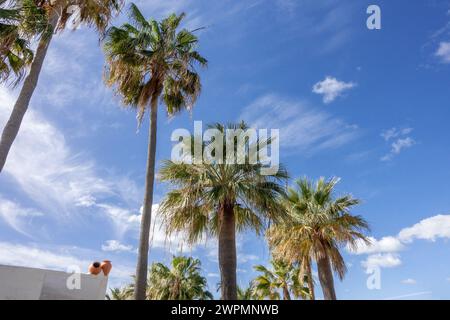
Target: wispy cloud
(159, 9)
(123, 219)
(16, 216)
(44, 166)
(410, 295)
(331, 88)
(61, 182)
(399, 140)
(60, 258)
(392, 133)
(116, 246)
(303, 128)
(246, 257)
(213, 275)
(443, 52)
(287, 5)
(35, 257)
(409, 281)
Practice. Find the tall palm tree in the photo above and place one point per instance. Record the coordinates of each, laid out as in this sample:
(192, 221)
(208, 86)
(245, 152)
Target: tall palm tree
(182, 281)
(218, 199)
(149, 61)
(318, 225)
(95, 13)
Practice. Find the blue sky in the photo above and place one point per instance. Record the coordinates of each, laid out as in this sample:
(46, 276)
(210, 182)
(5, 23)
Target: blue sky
(369, 106)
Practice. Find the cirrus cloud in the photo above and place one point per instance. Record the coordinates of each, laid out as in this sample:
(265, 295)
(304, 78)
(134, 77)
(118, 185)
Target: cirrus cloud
(303, 128)
(443, 52)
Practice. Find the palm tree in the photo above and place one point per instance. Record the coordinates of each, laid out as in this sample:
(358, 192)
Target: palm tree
(318, 225)
(269, 283)
(149, 61)
(18, 24)
(57, 12)
(182, 281)
(246, 293)
(282, 277)
(219, 199)
(302, 283)
(125, 293)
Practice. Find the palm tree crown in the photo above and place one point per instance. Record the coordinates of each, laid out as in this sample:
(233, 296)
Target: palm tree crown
(182, 281)
(124, 293)
(20, 21)
(202, 191)
(147, 59)
(219, 199)
(246, 293)
(317, 226)
(282, 278)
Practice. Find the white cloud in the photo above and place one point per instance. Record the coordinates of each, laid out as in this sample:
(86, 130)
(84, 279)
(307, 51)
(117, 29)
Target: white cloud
(443, 52)
(245, 257)
(41, 162)
(409, 295)
(123, 219)
(60, 258)
(409, 281)
(384, 245)
(427, 229)
(394, 133)
(116, 246)
(213, 275)
(58, 180)
(401, 144)
(163, 7)
(34, 257)
(382, 260)
(331, 88)
(302, 127)
(16, 216)
(127, 220)
(401, 141)
(384, 252)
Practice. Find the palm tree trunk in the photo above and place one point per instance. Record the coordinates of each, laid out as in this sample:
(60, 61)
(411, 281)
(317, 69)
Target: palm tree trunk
(12, 127)
(227, 253)
(142, 264)
(286, 295)
(326, 278)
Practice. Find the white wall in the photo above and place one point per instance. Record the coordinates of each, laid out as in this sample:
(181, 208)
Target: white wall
(20, 283)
